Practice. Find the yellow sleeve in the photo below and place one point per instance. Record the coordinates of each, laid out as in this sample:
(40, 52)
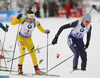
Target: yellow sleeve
(16, 21)
(40, 27)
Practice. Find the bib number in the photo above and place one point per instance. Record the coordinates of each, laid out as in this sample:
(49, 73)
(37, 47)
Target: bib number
(78, 34)
(27, 32)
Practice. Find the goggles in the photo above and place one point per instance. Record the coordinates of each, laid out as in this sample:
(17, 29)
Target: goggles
(86, 21)
(31, 15)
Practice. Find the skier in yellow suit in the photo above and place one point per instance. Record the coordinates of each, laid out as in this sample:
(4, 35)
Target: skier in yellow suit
(24, 38)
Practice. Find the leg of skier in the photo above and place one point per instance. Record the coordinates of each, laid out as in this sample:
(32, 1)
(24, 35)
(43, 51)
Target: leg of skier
(75, 50)
(30, 47)
(22, 52)
(83, 54)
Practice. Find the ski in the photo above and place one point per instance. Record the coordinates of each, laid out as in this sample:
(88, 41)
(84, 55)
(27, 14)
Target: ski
(6, 50)
(27, 75)
(7, 70)
(71, 71)
(4, 58)
(74, 70)
(31, 75)
(5, 67)
(51, 75)
(2, 67)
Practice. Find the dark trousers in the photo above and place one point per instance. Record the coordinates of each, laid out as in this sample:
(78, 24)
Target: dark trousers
(77, 47)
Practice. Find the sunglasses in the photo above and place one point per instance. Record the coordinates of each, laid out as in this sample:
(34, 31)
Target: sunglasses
(86, 21)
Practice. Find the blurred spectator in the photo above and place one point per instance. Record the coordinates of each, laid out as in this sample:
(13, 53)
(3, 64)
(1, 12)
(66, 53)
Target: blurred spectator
(78, 14)
(71, 4)
(66, 6)
(30, 8)
(52, 8)
(20, 4)
(0, 8)
(75, 4)
(4, 5)
(69, 7)
(37, 10)
(24, 4)
(45, 8)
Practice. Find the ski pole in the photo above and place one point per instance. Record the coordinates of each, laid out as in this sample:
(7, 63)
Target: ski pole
(27, 53)
(7, 26)
(47, 54)
(93, 7)
(3, 50)
(59, 64)
(3, 54)
(5, 63)
(15, 46)
(23, 12)
(4, 39)
(6, 53)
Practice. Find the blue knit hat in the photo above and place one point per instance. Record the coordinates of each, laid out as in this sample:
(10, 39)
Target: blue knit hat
(87, 17)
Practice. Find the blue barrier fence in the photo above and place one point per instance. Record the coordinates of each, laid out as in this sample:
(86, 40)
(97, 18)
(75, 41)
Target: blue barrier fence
(8, 16)
(4, 76)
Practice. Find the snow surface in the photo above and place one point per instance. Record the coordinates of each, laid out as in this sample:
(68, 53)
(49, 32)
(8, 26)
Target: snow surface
(40, 39)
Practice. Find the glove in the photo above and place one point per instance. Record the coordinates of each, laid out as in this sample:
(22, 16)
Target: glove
(7, 26)
(86, 46)
(47, 31)
(94, 6)
(19, 16)
(55, 40)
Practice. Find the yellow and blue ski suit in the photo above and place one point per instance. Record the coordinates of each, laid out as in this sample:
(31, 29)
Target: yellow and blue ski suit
(24, 37)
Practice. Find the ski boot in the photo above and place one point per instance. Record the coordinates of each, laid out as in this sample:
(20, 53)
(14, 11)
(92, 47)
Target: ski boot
(74, 68)
(37, 70)
(1, 56)
(20, 69)
(83, 69)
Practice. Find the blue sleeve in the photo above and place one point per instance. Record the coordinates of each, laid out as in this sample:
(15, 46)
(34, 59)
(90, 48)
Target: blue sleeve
(88, 36)
(1, 26)
(70, 25)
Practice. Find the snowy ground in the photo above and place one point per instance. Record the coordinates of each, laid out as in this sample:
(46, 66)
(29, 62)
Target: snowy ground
(40, 39)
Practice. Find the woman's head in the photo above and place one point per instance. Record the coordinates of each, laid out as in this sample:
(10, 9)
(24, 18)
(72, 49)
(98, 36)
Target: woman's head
(86, 19)
(30, 16)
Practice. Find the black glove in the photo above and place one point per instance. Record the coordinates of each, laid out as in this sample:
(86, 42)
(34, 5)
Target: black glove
(94, 6)
(19, 16)
(7, 26)
(55, 40)
(86, 46)
(47, 31)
